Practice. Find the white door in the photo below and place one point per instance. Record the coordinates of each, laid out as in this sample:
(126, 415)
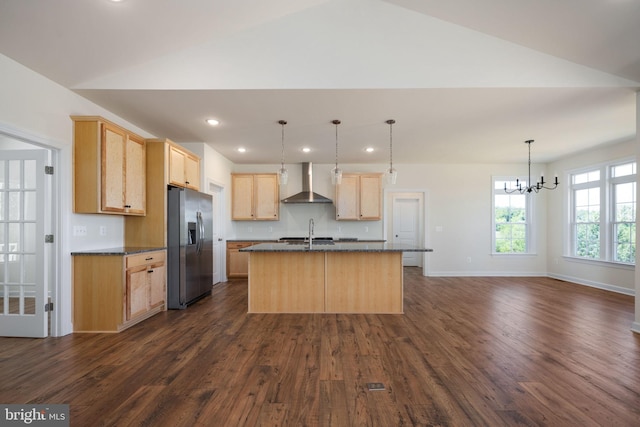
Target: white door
(23, 282)
(216, 207)
(406, 225)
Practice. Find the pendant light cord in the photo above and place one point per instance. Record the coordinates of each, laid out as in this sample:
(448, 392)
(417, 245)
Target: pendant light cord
(282, 122)
(336, 122)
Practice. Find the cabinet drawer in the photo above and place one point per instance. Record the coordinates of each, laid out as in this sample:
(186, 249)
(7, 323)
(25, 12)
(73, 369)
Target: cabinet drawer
(146, 258)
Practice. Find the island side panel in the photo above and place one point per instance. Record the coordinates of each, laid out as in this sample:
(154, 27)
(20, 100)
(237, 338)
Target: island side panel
(286, 282)
(364, 282)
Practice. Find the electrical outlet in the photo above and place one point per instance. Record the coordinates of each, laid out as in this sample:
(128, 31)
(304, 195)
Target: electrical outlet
(103, 230)
(469, 259)
(79, 230)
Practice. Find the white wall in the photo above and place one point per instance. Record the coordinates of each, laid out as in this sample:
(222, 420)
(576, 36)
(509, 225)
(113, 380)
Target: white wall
(602, 275)
(38, 109)
(459, 203)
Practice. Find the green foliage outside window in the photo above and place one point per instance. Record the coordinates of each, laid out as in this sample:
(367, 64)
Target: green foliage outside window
(510, 230)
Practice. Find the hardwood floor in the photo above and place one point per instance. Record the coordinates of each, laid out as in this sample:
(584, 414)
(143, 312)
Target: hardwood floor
(468, 351)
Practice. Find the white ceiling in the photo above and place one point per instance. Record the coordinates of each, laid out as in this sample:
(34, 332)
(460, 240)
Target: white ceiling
(465, 80)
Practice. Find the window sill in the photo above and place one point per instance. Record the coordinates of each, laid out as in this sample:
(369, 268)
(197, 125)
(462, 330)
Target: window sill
(500, 254)
(600, 262)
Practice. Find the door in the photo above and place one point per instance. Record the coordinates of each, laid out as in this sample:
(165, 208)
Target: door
(23, 282)
(217, 212)
(406, 225)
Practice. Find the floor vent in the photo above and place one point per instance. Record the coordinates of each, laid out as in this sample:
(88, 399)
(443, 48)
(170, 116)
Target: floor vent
(375, 386)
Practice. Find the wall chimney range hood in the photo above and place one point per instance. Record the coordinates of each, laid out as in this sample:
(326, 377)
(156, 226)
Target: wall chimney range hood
(307, 195)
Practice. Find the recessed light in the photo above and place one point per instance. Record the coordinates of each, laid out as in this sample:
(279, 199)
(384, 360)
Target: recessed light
(306, 150)
(213, 122)
(242, 150)
(369, 149)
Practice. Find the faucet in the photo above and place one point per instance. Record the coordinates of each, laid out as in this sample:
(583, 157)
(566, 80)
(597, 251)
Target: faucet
(311, 225)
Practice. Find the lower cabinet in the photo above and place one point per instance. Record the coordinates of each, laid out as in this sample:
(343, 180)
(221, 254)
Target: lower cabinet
(114, 292)
(237, 262)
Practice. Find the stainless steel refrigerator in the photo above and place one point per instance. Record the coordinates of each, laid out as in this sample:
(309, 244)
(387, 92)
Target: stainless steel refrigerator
(189, 246)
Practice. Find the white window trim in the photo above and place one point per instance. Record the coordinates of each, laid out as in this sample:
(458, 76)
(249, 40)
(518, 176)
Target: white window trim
(530, 239)
(606, 213)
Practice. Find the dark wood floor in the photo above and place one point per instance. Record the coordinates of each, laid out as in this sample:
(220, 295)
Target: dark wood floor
(467, 351)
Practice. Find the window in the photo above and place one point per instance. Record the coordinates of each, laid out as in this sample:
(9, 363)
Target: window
(511, 218)
(603, 215)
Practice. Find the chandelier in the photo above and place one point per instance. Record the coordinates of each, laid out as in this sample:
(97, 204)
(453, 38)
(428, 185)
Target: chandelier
(283, 174)
(531, 188)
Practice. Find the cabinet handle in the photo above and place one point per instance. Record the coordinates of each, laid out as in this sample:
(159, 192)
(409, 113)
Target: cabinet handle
(149, 271)
(148, 259)
(127, 206)
(187, 182)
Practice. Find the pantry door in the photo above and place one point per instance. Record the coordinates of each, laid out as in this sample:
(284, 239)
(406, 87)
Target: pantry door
(407, 220)
(23, 283)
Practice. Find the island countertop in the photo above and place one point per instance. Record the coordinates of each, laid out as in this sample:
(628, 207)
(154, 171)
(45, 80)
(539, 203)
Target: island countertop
(335, 247)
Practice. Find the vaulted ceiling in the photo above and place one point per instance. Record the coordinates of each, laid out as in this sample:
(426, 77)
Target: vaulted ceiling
(465, 80)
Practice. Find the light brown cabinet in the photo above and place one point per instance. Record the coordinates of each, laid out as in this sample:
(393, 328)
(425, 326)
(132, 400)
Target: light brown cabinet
(255, 197)
(359, 197)
(109, 168)
(112, 292)
(184, 168)
(237, 262)
(151, 230)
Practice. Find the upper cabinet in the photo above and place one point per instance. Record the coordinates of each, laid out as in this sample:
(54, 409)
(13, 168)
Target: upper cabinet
(166, 161)
(184, 168)
(255, 197)
(109, 168)
(359, 197)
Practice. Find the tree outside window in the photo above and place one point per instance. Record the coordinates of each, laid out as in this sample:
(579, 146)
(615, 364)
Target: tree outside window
(510, 219)
(604, 213)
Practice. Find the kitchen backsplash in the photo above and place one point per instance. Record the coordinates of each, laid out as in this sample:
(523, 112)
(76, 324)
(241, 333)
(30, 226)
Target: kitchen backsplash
(294, 221)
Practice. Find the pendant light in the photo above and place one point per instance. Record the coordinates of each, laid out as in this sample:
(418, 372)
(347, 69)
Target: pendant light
(391, 174)
(283, 174)
(336, 173)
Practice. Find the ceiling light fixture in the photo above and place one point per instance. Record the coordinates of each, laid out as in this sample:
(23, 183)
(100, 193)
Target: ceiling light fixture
(391, 173)
(369, 149)
(212, 122)
(336, 173)
(283, 174)
(528, 188)
(306, 150)
(242, 150)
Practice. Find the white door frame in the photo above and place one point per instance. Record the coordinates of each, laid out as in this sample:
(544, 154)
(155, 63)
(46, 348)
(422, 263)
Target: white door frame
(52, 226)
(213, 186)
(387, 224)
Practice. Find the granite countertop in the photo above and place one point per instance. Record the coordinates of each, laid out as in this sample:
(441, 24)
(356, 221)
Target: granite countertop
(123, 250)
(251, 240)
(335, 247)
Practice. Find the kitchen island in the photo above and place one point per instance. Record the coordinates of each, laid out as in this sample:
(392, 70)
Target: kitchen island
(328, 277)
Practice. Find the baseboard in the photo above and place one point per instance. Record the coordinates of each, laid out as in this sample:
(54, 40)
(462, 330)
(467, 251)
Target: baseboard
(592, 284)
(486, 274)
